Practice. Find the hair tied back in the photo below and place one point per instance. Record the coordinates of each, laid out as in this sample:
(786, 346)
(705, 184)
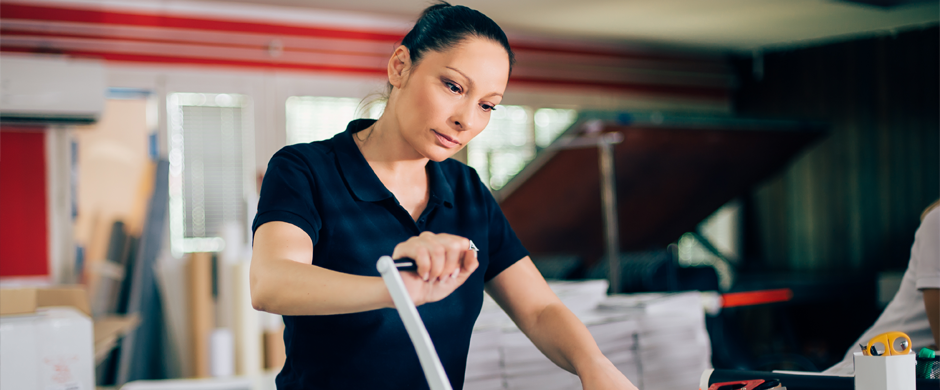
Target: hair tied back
(434, 7)
(443, 26)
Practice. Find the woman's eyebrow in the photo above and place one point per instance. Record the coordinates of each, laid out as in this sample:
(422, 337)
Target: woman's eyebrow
(470, 81)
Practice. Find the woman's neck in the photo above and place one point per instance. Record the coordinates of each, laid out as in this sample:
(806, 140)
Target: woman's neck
(387, 151)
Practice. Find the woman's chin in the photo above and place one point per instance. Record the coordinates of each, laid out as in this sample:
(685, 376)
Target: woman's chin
(440, 157)
(439, 154)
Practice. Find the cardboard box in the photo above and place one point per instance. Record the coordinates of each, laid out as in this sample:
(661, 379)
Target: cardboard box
(108, 331)
(30, 300)
(27, 300)
(274, 352)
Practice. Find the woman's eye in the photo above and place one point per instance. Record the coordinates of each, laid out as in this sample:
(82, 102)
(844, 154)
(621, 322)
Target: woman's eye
(487, 107)
(453, 87)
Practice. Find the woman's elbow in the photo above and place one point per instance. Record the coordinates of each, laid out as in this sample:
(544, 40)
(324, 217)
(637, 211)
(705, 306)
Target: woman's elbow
(259, 297)
(257, 303)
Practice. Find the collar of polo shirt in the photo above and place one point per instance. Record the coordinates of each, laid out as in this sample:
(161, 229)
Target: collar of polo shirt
(362, 181)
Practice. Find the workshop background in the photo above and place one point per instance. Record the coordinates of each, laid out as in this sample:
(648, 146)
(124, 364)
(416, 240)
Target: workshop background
(775, 155)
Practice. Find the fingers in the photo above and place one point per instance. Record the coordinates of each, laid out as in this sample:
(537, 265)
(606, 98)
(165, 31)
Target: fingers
(470, 263)
(423, 262)
(456, 246)
(407, 249)
(437, 256)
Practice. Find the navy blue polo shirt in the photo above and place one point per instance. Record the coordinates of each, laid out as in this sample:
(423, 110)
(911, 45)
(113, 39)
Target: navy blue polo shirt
(329, 190)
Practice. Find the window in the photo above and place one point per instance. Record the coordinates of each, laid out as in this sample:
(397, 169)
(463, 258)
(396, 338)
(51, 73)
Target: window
(208, 168)
(315, 118)
(550, 123)
(717, 243)
(511, 139)
(504, 147)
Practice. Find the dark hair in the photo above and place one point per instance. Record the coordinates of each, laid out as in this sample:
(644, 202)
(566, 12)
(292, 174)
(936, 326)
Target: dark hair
(441, 26)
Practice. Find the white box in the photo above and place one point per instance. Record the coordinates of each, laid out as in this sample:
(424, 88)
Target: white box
(51, 349)
(885, 372)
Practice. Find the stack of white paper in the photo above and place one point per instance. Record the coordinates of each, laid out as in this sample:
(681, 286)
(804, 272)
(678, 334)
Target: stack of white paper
(657, 340)
(483, 361)
(525, 367)
(581, 296)
(672, 343)
(618, 341)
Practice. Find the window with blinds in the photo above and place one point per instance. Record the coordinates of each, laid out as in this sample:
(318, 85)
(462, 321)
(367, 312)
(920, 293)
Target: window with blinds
(207, 168)
(315, 118)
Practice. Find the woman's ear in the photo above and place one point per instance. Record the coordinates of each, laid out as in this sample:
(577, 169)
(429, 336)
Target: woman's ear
(397, 66)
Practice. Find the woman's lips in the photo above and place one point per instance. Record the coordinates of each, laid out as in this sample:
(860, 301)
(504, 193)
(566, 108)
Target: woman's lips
(448, 142)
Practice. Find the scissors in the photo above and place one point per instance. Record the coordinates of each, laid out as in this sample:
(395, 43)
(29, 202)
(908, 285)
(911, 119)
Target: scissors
(406, 264)
(753, 384)
(888, 339)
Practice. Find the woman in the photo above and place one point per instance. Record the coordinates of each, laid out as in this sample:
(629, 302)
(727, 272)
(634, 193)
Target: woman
(330, 209)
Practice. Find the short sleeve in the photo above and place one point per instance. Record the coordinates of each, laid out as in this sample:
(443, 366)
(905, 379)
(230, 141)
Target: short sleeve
(505, 249)
(287, 194)
(926, 251)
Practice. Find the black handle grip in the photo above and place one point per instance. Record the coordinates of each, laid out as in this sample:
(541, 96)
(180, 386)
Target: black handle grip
(406, 264)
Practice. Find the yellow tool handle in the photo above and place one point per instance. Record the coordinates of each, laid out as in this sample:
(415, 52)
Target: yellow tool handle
(888, 339)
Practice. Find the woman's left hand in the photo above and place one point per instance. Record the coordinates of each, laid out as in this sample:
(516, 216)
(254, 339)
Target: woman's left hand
(605, 376)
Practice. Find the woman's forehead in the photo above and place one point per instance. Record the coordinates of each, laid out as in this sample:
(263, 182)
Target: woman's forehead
(485, 62)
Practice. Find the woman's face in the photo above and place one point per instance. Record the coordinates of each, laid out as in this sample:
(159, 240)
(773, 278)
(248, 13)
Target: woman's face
(446, 99)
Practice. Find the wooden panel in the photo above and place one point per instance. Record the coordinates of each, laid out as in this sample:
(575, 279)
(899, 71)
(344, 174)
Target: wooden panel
(668, 180)
(853, 201)
(202, 311)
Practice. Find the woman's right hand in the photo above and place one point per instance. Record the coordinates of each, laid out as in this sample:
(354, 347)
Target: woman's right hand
(444, 262)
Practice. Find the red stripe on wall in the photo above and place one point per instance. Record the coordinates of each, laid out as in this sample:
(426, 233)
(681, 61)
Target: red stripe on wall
(151, 59)
(31, 12)
(612, 54)
(21, 11)
(17, 33)
(649, 89)
(705, 93)
(23, 233)
(693, 80)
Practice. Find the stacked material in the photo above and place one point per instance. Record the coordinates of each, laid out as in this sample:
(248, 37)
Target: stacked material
(672, 344)
(656, 340)
(525, 367)
(483, 361)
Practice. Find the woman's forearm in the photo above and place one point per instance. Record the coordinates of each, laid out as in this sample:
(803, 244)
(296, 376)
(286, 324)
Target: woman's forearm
(522, 292)
(287, 287)
(564, 339)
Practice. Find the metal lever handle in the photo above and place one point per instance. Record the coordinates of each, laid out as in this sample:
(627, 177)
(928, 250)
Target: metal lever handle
(427, 355)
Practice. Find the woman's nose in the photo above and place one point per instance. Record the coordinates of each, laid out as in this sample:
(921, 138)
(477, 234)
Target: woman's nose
(463, 117)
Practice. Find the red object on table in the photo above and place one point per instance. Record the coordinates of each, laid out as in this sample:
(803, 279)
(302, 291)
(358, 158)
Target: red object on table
(760, 297)
(738, 385)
